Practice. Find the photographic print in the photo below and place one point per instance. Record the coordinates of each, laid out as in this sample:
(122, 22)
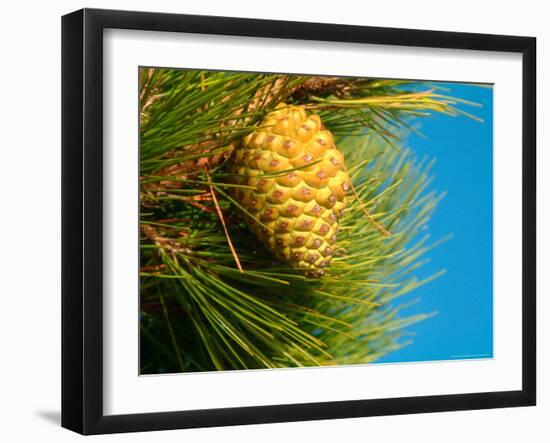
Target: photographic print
(272, 221)
(294, 221)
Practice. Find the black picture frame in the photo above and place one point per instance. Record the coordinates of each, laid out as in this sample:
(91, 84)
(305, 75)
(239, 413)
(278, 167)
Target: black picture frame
(82, 218)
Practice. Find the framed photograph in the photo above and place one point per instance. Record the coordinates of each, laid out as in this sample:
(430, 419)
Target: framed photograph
(270, 221)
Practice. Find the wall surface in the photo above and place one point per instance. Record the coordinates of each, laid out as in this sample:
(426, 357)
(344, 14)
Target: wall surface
(30, 220)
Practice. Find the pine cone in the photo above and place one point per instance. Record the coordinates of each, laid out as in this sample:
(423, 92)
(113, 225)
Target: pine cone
(298, 186)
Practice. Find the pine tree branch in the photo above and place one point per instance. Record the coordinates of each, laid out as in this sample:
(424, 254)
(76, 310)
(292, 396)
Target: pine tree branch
(271, 316)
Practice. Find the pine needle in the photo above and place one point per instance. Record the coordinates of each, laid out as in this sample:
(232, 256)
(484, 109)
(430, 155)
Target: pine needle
(377, 225)
(174, 340)
(220, 215)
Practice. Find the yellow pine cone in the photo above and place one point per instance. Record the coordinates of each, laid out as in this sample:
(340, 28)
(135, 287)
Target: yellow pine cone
(298, 184)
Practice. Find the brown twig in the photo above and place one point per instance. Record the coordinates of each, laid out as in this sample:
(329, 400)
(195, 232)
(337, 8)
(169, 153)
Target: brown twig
(188, 168)
(324, 85)
(164, 242)
(152, 268)
(220, 215)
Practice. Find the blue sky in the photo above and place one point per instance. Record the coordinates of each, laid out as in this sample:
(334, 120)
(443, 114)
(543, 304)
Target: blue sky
(463, 297)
